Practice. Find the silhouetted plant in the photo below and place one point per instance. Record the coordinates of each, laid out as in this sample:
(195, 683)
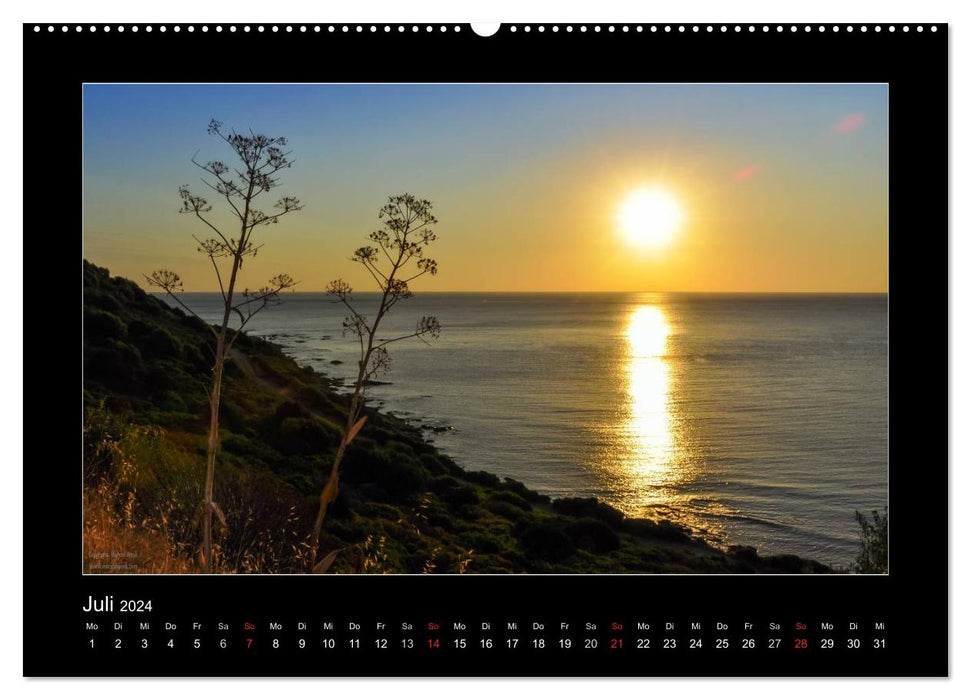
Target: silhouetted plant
(397, 258)
(260, 159)
(873, 542)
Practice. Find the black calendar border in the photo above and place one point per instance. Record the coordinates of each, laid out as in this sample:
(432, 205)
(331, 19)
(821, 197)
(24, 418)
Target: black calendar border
(913, 597)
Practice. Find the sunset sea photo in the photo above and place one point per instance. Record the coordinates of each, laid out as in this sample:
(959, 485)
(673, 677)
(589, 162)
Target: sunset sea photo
(558, 328)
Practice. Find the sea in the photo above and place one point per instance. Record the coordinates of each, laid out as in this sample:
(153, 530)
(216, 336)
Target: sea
(752, 419)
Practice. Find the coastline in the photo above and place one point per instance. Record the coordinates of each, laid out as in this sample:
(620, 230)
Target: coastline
(404, 507)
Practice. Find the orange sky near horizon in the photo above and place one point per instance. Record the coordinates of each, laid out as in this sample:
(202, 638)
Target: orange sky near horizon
(782, 188)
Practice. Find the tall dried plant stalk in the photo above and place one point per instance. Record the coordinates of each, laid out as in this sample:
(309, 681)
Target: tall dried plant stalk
(395, 260)
(259, 159)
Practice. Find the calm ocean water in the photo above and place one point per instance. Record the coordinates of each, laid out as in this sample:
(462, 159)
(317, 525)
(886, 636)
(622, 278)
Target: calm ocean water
(753, 419)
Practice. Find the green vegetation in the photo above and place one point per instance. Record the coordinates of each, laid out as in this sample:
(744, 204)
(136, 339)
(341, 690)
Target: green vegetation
(403, 506)
(873, 543)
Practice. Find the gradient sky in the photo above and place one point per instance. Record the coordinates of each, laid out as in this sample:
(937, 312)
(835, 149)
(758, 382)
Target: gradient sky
(784, 187)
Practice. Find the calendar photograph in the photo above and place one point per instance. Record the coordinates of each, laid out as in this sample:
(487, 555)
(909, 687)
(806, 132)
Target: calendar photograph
(485, 328)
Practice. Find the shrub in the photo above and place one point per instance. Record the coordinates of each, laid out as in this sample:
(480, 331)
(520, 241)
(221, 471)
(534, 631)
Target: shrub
(873, 543)
(441, 484)
(483, 543)
(746, 554)
(590, 508)
(506, 510)
(196, 324)
(666, 530)
(102, 324)
(171, 401)
(305, 436)
(153, 306)
(128, 289)
(433, 464)
(315, 398)
(166, 375)
(593, 535)
(94, 276)
(661, 530)
(470, 512)
(403, 477)
(450, 465)
(437, 515)
(302, 483)
(511, 498)
(95, 299)
(198, 357)
(483, 479)
(524, 491)
(243, 446)
(159, 343)
(791, 564)
(289, 409)
(114, 363)
(460, 495)
(138, 329)
(398, 473)
(546, 540)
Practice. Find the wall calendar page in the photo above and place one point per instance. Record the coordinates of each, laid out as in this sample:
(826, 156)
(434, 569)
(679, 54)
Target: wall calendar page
(548, 350)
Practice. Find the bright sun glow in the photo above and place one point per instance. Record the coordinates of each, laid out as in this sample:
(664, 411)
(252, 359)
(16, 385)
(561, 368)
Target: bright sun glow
(649, 424)
(650, 217)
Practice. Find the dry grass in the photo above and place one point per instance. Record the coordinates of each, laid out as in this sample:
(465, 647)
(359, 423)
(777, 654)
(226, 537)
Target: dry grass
(114, 546)
(143, 499)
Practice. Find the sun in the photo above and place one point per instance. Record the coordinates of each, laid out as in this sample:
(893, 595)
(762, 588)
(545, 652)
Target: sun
(650, 216)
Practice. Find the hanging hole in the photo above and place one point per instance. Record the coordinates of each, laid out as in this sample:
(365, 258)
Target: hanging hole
(485, 28)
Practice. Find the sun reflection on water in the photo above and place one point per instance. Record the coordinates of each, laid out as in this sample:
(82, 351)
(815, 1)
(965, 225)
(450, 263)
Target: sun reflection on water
(642, 470)
(647, 432)
(652, 473)
(652, 463)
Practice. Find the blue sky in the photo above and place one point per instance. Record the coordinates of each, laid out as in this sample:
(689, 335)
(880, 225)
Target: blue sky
(536, 169)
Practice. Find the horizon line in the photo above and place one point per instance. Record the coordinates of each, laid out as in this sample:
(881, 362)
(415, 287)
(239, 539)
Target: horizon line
(562, 291)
